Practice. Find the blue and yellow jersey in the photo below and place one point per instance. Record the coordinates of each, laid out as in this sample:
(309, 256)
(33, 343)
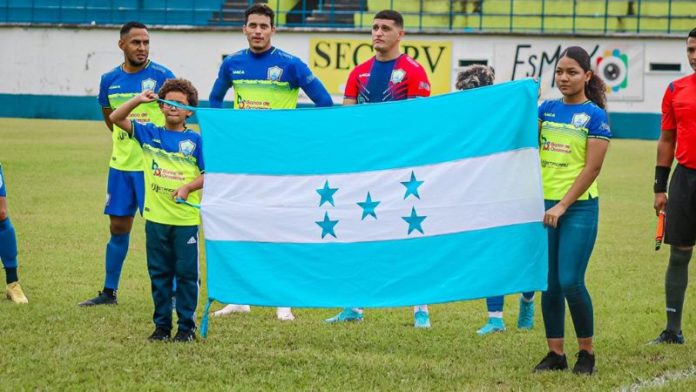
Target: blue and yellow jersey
(563, 145)
(172, 159)
(268, 80)
(117, 87)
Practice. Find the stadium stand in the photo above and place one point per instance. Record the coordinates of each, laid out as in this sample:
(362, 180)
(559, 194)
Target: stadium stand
(563, 16)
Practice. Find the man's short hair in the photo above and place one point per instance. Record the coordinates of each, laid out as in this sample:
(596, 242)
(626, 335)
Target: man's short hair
(181, 86)
(391, 15)
(259, 9)
(692, 33)
(126, 28)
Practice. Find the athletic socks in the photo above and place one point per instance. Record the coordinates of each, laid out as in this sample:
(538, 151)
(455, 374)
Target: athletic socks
(676, 280)
(8, 250)
(420, 308)
(116, 250)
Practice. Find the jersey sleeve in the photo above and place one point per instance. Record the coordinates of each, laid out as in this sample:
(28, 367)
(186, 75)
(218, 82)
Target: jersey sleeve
(669, 122)
(103, 96)
(418, 85)
(542, 110)
(351, 91)
(143, 132)
(221, 85)
(199, 156)
(598, 127)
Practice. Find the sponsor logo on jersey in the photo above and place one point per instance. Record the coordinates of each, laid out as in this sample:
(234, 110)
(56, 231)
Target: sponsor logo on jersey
(238, 72)
(580, 120)
(148, 84)
(274, 73)
(397, 76)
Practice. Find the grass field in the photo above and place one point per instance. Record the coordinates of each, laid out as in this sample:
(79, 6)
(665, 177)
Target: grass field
(55, 173)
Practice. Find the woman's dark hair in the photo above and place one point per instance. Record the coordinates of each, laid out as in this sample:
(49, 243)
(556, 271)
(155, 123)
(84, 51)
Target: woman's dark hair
(595, 89)
(475, 75)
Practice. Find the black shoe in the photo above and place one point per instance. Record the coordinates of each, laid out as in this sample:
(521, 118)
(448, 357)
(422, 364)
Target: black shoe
(185, 336)
(669, 337)
(101, 299)
(552, 361)
(160, 335)
(585, 363)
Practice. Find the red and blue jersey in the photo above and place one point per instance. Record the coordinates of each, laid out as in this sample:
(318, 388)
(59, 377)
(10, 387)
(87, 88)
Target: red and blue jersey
(381, 81)
(679, 114)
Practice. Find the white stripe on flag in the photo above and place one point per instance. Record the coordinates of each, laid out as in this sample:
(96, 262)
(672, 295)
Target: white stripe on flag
(496, 190)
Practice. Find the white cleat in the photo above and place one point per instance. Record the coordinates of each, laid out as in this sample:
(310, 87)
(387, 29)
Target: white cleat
(285, 314)
(232, 308)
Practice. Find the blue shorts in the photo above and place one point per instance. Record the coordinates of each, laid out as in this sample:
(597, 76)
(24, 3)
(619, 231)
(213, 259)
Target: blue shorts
(125, 193)
(3, 192)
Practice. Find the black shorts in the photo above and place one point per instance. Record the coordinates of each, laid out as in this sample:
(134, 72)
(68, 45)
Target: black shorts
(680, 221)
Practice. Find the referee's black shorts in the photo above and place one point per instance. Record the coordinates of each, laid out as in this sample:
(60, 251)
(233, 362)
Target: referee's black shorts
(680, 219)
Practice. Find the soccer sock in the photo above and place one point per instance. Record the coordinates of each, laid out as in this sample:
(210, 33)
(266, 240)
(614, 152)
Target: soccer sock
(116, 251)
(420, 308)
(358, 310)
(8, 250)
(495, 315)
(676, 280)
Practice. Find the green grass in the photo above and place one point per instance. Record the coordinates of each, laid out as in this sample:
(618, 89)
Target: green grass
(56, 172)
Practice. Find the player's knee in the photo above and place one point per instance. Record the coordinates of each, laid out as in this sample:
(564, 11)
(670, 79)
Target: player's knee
(684, 248)
(3, 212)
(119, 226)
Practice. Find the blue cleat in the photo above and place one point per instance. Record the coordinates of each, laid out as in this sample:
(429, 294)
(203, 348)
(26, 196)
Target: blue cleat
(525, 320)
(422, 319)
(347, 314)
(494, 324)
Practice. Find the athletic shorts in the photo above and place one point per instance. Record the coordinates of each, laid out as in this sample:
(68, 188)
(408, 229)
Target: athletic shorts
(680, 219)
(3, 191)
(125, 193)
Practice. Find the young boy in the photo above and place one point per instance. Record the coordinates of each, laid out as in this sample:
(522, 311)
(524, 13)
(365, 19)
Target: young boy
(8, 250)
(173, 156)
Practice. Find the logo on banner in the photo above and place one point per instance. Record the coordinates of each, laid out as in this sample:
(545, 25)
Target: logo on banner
(613, 69)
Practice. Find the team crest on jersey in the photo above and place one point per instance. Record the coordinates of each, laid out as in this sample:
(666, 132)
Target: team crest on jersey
(580, 120)
(274, 73)
(186, 147)
(397, 76)
(148, 84)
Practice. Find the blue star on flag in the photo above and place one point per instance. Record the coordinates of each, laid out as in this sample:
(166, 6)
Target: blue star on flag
(414, 221)
(368, 207)
(326, 194)
(412, 186)
(327, 226)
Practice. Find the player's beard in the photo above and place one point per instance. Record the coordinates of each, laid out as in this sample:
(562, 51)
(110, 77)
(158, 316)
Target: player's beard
(136, 63)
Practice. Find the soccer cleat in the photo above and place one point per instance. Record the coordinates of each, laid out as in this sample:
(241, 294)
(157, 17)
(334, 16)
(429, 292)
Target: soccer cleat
(669, 337)
(585, 364)
(525, 319)
(422, 319)
(232, 308)
(552, 361)
(15, 294)
(494, 324)
(101, 299)
(347, 314)
(185, 336)
(160, 335)
(284, 314)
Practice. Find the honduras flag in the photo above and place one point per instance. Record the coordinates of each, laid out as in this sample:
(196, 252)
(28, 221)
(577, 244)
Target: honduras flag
(420, 201)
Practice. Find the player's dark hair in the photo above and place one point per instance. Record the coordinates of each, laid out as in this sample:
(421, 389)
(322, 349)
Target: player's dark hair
(475, 75)
(595, 90)
(259, 9)
(391, 15)
(126, 28)
(692, 33)
(181, 86)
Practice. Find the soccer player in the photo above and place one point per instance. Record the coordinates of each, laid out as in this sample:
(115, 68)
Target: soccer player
(264, 77)
(174, 158)
(388, 76)
(125, 185)
(574, 135)
(678, 137)
(8, 249)
(474, 76)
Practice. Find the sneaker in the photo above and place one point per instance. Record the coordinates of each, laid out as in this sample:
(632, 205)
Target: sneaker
(422, 319)
(525, 319)
(284, 314)
(185, 336)
(494, 324)
(15, 294)
(552, 361)
(232, 308)
(101, 299)
(669, 337)
(585, 363)
(347, 314)
(160, 335)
